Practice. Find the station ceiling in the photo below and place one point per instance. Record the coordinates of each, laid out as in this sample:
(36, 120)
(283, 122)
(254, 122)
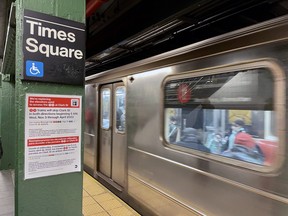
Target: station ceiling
(124, 31)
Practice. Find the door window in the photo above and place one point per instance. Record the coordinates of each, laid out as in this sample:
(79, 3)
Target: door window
(105, 108)
(120, 101)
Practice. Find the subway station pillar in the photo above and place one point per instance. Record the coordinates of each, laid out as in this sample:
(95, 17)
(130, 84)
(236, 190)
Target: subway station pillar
(7, 100)
(48, 111)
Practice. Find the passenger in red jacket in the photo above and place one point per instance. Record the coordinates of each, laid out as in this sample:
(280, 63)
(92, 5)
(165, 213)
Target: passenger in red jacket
(242, 146)
(239, 136)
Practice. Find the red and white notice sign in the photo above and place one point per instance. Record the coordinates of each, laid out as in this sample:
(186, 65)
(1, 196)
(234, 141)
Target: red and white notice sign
(52, 135)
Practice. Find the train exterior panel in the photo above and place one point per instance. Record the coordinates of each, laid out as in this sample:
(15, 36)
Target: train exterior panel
(162, 134)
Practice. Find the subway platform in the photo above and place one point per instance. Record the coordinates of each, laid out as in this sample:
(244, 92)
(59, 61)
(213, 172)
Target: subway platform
(6, 193)
(97, 199)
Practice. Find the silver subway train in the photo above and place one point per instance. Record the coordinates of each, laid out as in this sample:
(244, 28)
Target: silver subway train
(199, 130)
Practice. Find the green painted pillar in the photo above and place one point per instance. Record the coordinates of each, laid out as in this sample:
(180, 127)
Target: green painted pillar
(8, 123)
(8, 96)
(48, 195)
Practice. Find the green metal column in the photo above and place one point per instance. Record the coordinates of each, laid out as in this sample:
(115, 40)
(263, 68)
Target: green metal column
(8, 96)
(8, 123)
(59, 195)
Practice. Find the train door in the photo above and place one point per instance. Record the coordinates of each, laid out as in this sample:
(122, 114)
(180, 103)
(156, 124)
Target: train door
(112, 139)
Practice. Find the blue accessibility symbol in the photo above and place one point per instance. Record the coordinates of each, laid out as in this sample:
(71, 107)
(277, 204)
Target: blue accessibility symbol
(34, 68)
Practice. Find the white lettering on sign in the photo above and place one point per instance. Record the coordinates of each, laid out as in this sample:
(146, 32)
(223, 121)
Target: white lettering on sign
(36, 28)
(33, 46)
(50, 50)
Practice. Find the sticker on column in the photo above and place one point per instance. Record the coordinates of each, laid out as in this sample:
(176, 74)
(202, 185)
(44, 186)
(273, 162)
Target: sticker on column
(34, 68)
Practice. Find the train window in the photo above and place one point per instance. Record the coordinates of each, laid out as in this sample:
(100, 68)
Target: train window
(120, 110)
(105, 108)
(227, 114)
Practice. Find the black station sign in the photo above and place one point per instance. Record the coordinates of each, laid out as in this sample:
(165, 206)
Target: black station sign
(53, 49)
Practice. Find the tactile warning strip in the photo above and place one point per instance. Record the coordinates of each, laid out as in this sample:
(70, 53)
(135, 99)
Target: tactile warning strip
(99, 201)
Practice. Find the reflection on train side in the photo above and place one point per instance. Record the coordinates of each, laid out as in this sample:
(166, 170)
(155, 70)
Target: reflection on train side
(105, 109)
(228, 114)
(120, 103)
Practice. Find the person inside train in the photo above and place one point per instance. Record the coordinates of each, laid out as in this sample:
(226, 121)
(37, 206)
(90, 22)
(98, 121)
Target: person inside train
(173, 129)
(242, 146)
(123, 121)
(189, 139)
(119, 113)
(215, 144)
(239, 135)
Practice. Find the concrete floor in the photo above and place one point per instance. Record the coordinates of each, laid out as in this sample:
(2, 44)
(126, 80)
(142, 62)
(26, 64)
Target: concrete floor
(6, 193)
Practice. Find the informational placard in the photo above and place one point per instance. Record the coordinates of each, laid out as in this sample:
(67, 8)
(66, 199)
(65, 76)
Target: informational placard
(53, 49)
(52, 135)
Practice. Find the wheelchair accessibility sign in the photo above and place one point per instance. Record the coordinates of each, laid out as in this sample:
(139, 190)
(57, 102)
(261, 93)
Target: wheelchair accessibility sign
(53, 49)
(34, 68)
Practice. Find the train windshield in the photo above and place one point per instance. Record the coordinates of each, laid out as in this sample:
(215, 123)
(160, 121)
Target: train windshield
(229, 114)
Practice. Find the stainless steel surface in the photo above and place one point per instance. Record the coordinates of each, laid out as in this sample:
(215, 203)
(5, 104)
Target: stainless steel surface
(112, 142)
(119, 147)
(197, 183)
(105, 138)
(90, 130)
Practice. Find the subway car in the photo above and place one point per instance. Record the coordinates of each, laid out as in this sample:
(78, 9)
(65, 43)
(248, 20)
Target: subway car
(200, 130)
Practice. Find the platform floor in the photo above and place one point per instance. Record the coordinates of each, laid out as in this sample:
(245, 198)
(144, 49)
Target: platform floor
(99, 201)
(6, 193)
